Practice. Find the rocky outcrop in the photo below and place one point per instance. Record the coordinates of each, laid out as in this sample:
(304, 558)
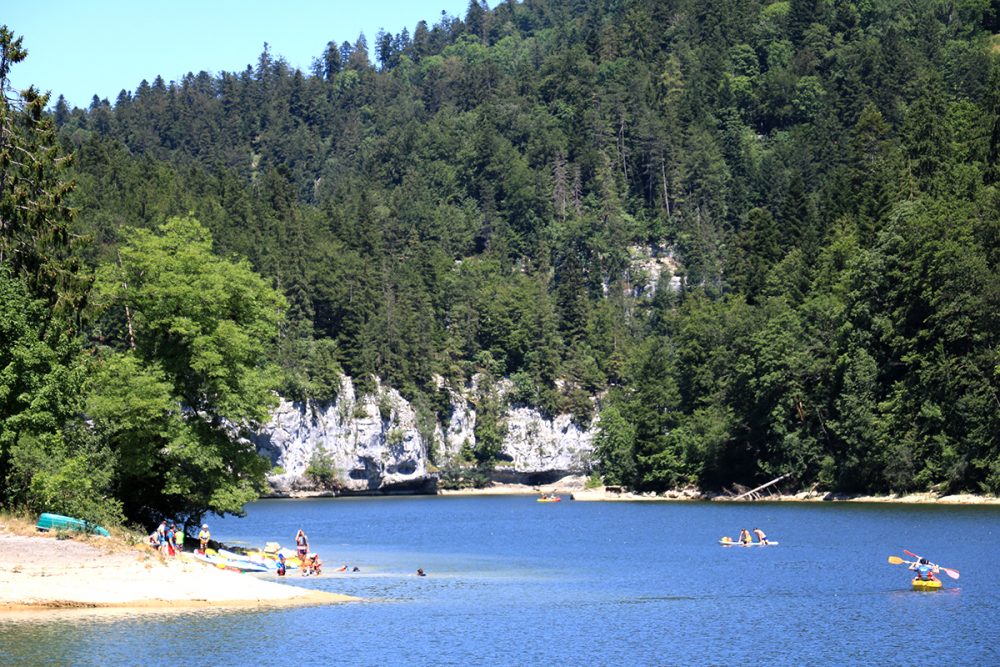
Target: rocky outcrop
(540, 449)
(372, 444)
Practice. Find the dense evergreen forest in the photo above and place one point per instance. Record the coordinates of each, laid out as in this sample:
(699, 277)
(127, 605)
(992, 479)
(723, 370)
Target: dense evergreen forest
(472, 198)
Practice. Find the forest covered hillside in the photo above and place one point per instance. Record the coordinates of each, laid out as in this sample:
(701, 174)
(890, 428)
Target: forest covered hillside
(471, 198)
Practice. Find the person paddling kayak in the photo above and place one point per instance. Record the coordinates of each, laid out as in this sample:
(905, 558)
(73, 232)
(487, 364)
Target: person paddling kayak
(924, 569)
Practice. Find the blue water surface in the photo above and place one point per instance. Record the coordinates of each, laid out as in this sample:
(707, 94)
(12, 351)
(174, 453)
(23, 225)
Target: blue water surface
(515, 582)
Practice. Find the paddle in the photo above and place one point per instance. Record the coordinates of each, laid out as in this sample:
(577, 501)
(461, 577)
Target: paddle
(896, 560)
(954, 574)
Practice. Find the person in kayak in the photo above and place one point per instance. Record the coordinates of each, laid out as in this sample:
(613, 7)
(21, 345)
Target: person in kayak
(925, 571)
(745, 536)
(761, 537)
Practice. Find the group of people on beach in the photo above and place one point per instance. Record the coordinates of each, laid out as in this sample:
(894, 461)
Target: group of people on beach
(167, 539)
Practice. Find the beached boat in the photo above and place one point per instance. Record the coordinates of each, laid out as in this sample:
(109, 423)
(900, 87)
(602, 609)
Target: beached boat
(47, 522)
(230, 563)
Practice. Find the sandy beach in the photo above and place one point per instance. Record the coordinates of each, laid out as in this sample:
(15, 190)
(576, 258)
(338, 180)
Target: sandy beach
(602, 494)
(574, 487)
(43, 572)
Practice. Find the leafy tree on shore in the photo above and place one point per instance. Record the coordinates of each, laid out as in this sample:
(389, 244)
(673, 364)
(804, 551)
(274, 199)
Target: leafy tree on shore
(184, 372)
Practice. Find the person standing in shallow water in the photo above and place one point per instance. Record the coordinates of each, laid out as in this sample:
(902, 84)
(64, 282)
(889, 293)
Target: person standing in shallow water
(301, 544)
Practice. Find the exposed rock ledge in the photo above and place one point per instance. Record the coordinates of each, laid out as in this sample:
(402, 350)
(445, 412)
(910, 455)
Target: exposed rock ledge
(373, 443)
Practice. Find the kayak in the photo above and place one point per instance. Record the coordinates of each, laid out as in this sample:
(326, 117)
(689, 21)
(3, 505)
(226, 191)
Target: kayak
(926, 584)
(230, 564)
(734, 543)
(49, 521)
(549, 500)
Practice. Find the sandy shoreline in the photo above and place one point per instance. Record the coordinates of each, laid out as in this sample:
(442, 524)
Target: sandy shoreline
(602, 495)
(574, 488)
(42, 572)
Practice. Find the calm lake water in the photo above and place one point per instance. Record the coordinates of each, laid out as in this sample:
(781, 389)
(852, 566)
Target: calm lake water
(515, 582)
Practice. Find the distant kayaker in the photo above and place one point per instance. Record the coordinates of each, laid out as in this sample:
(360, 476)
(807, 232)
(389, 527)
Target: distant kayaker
(745, 536)
(420, 572)
(301, 544)
(925, 571)
(204, 536)
(761, 537)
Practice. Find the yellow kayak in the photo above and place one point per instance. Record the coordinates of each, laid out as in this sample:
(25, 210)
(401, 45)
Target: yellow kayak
(926, 584)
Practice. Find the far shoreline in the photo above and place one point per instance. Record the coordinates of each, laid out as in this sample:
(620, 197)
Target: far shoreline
(574, 487)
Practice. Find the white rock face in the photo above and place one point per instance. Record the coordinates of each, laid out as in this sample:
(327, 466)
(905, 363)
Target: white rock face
(647, 264)
(372, 441)
(374, 445)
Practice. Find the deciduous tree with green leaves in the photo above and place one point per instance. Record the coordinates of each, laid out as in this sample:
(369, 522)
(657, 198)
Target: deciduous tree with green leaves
(184, 372)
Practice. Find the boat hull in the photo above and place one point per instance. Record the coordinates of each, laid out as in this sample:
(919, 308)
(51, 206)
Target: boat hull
(48, 521)
(926, 584)
(230, 564)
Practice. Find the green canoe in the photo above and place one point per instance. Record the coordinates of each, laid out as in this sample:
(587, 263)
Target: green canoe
(58, 522)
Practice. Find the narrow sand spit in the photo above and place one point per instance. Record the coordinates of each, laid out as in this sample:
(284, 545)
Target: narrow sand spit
(42, 572)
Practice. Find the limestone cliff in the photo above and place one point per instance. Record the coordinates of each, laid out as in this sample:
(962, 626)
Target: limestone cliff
(372, 443)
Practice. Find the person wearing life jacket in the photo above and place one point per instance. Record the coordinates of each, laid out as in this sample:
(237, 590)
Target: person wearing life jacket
(925, 571)
(761, 537)
(204, 536)
(281, 565)
(745, 536)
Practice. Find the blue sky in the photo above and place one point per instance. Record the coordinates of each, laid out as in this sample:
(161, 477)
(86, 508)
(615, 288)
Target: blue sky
(80, 48)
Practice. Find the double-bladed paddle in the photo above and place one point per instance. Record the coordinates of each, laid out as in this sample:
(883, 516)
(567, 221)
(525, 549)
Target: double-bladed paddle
(954, 574)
